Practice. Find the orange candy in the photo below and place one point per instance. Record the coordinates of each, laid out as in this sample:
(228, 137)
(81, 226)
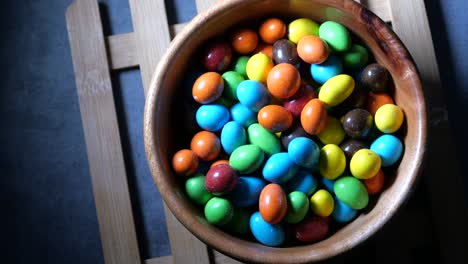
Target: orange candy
(272, 203)
(272, 30)
(208, 87)
(206, 145)
(275, 118)
(314, 117)
(283, 80)
(185, 162)
(376, 100)
(312, 49)
(219, 162)
(244, 41)
(374, 185)
(265, 49)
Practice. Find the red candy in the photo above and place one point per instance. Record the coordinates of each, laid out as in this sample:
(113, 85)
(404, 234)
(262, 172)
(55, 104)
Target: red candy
(312, 229)
(220, 179)
(217, 56)
(296, 103)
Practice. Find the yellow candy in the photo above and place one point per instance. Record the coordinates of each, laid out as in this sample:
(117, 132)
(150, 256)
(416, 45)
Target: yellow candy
(333, 132)
(389, 118)
(336, 89)
(258, 67)
(365, 164)
(332, 161)
(322, 203)
(302, 27)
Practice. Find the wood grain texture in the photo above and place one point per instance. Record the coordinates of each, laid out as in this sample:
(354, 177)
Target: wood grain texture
(159, 138)
(101, 130)
(220, 258)
(448, 210)
(379, 7)
(122, 51)
(151, 35)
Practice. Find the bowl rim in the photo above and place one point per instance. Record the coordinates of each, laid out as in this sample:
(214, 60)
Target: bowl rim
(193, 224)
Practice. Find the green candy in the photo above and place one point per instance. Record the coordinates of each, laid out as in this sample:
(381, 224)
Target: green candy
(264, 139)
(223, 100)
(218, 211)
(240, 65)
(298, 206)
(239, 223)
(351, 192)
(356, 57)
(336, 36)
(196, 191)
(246, 159)
(231, 81)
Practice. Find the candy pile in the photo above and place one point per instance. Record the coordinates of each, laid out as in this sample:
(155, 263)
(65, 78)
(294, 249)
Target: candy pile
(297, 135)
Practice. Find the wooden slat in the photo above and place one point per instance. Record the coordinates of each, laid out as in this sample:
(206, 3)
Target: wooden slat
(176, 28)
(441, 173)
(379, 7)
(151, 40)
(101, 132)
(203, 5)
(151, 35)
(185, 247)
(122, 51)
(160, 260)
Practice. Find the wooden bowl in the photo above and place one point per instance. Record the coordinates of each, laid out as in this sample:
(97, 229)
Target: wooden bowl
(161, 132)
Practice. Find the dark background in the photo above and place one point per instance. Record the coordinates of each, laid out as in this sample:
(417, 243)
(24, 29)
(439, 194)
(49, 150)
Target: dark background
(49, 214)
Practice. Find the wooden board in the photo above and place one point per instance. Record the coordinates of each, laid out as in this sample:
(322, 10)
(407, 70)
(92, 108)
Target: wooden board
(94, 57)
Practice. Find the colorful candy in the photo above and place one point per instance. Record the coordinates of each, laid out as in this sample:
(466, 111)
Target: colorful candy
(278, 151)
(389, 118)
(272, 203)
(283, 80)
(275, 118)
(196, 191)
(220, 179)
(312, 49)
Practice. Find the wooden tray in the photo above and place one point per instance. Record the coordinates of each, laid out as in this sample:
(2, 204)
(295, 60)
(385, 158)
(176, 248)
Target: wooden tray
(95, 56)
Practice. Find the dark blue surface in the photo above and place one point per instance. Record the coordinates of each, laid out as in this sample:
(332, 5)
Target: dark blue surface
(46, 189)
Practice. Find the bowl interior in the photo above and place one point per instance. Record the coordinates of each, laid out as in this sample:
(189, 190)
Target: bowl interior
(165, 133)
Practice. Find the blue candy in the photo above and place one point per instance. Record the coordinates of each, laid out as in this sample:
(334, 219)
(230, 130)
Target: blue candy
(279, 168)
(343, 213)
(243, 115)
(304, 152)
(326, 70)
(247, 191)
(233, 135)
(212, 117)
(303, 182)
(328, 184)
(266, 233)
(389, 148)
(253, 94)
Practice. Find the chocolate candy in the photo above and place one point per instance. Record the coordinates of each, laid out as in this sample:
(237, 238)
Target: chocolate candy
(389, 148)
(233, 135)
(389, 118)
(351, 192)
(376, 100)
(268, 234)
(218, 211)
(336, 89)
(302, 27)
(304, 152)
(332, 162)
(351, 146)
(231, 79)
(285, 51)
(212, 117)
(314, 117)
(293, 132)
(220, 179)
(357, 123)
(321, 203)
(375, 184)
(298, 206)
(375, 78)
(279, 168)
(247, 191)
(258, 67)
(217, 56)
(336, 36)
(196, 191)
(246, 159)
(342, 212)
(303, 182)
(365, 164)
